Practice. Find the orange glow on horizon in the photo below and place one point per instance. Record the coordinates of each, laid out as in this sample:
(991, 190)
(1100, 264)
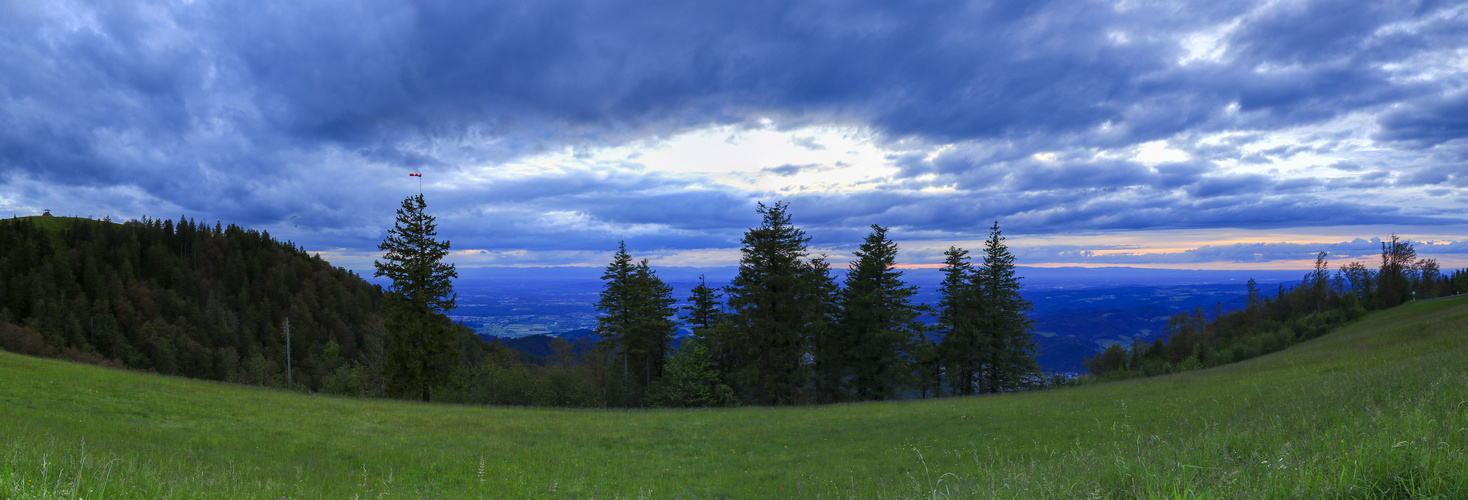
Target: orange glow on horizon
(1445, 263)
(1278, 265)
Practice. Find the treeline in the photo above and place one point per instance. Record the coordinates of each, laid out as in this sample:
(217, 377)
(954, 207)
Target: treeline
(1321, 302)
(785, 332)
(184, 298)
(187, 299)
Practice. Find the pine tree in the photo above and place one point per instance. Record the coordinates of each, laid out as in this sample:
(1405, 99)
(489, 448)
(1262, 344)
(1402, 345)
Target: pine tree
(421, 348)
(879, 319)
(767, 340)
(618, 306)
(656, 323)
(963, 349)
(690, 380)
(824, 334)
(706, 318)
(703, 306)
(1011, 350)
(637, 317)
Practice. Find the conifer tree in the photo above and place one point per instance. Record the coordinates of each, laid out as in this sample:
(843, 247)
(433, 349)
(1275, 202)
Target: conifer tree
(637, 316)
(963, 348)
(767, 314)
(703, 306)
(656, 314)
(618, 306)
(690, 380)
(422, 349)
(706, 317)
(1011, 350)
(879, 319)
(825, 337)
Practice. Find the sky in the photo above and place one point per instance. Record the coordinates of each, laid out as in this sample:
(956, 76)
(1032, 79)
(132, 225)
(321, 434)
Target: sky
(1192, 135)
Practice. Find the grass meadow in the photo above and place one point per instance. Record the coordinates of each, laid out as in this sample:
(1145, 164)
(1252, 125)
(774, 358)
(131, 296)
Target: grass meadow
(1378, 409)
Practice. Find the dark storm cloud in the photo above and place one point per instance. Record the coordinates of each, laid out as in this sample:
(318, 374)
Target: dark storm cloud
(1229, 186)
(591, 210)
(255, 112)
(1427, 122)
(357, 71)
(1119, 174)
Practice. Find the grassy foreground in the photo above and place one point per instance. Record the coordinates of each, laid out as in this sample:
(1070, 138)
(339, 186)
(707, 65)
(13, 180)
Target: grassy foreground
(1378, 409)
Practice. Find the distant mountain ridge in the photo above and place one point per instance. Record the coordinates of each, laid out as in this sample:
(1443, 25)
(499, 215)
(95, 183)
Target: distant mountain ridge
(538, 346)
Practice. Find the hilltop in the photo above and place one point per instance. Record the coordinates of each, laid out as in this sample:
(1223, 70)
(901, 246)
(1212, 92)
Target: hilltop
(1375, 409)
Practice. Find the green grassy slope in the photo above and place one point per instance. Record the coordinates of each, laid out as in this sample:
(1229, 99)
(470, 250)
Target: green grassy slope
(53, 223)
(1378, 409)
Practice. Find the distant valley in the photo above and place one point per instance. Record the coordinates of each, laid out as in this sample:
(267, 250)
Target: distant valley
(1078, 311)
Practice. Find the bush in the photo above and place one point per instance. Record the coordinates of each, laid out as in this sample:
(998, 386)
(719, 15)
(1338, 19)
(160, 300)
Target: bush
(1215, 357)
(1190, 363)
(22, 340)
(690, 381)
(343, 381)
(1112, 359)
(564, 388)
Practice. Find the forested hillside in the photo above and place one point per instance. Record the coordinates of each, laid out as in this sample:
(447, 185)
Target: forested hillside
(1266, 324)
(182, 298)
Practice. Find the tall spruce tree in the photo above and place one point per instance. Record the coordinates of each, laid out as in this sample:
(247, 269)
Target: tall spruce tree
(422, 349)
(703, 306)
(1011, 350)
(768, 313)
(657, 315)
(706, 317)
(617, 324)
(963, 349)
(637, 317)
(826, 340)
(879, 319)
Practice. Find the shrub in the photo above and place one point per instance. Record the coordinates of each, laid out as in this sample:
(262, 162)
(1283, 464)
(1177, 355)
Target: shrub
(690, 381)
(22, 340)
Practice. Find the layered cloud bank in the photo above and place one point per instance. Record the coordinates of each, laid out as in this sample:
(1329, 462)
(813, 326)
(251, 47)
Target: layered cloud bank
(1105, 133)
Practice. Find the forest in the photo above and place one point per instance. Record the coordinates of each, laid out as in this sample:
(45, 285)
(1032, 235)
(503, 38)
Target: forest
(785, 332)
(184, 298)
(1321, 302)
